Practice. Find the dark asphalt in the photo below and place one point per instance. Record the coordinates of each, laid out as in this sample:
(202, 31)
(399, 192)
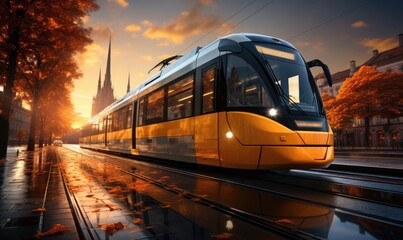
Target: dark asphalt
(23, 184)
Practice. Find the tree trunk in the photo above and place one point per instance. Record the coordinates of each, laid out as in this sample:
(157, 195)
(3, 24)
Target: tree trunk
(32, 129)
(41, 137)
(5, 107)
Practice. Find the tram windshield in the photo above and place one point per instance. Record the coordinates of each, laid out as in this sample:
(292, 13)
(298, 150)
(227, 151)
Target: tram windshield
(292, 79)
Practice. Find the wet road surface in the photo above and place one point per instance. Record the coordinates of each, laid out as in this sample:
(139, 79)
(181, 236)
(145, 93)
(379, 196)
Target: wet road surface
(126, 199)
(147, 202)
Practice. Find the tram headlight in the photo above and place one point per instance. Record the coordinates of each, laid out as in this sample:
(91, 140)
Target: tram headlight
(272, 112)
(229, 134)
(229, 225)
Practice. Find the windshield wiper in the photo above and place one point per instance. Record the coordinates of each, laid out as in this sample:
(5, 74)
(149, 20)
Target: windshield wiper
(284, 97)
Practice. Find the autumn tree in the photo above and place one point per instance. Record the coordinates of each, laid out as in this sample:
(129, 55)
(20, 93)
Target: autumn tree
(55, 112)
(368, 93)
(46, 38)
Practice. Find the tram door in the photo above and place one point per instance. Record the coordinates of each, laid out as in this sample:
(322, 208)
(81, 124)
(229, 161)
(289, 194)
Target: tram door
(206, 124)
(134, 124)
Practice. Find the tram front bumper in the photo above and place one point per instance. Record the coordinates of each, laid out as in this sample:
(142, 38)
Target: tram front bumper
(285, 157)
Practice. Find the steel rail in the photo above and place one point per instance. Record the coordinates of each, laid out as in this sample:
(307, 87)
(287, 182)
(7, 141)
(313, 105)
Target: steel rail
(83, 224)
(221, 178)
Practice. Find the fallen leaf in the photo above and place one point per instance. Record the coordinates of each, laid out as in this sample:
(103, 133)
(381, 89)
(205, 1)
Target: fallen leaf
(39, 210)
(56, 229)
(111, 229)
(223, 236)
(138, 221)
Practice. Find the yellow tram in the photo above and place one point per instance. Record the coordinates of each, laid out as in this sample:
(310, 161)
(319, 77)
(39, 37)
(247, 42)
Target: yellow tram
(244, 101)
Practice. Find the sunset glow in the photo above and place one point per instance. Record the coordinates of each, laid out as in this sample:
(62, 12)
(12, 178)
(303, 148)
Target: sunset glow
(143, 33)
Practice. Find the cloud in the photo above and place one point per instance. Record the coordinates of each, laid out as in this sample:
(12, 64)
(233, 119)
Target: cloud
(187, 24)
(147, 58)
(122, 3)
(359, 24)
(101, 32)
(91, 55)
(379, 43)
(315, 45)
(132, 28)
(209, 3)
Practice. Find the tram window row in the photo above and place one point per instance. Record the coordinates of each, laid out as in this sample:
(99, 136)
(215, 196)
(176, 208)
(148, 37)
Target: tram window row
(170, 102)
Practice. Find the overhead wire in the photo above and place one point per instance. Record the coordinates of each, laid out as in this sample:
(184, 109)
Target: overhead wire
(218, 25)
(250, 15)
(326, 21)
(260, 9)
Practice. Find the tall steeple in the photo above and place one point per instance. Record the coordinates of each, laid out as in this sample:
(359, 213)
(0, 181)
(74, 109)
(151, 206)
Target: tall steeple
(105, 94)
(108, 82)
(99, 82)
(128, 84)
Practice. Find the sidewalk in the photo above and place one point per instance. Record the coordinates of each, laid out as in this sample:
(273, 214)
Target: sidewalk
(371, 161)
(23, 184)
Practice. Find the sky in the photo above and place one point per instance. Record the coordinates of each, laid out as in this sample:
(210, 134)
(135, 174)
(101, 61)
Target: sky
(144, 32)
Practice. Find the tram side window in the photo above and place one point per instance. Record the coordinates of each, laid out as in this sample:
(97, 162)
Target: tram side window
(244, 85)
(180, 98)
(109, 122)
(101, 126)
(141, 111)
(129, 116)
(115, 121)
(123, 117)
(94, 128)
(155, 107)
(208, 77)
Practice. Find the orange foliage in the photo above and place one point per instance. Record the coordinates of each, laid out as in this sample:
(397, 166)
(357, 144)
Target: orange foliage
(367, 93)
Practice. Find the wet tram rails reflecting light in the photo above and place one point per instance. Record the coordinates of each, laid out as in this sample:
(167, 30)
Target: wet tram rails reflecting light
(151, 200)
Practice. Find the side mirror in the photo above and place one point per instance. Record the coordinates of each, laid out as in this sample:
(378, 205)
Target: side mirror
(319, 63)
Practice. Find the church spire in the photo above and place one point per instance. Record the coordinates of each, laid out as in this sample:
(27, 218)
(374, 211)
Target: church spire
(99, 81)
(128, 84)
(108, 82)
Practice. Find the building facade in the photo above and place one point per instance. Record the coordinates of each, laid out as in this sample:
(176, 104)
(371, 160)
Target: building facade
(384, 133)
(19, 122)
(105, 95)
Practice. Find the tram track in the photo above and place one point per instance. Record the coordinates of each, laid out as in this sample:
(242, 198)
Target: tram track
(260, 184)
(83, 225)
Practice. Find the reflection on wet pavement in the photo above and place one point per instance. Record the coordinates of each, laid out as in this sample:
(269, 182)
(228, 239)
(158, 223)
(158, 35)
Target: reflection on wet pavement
(145, 210)
(24, 209)
(165, 206)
